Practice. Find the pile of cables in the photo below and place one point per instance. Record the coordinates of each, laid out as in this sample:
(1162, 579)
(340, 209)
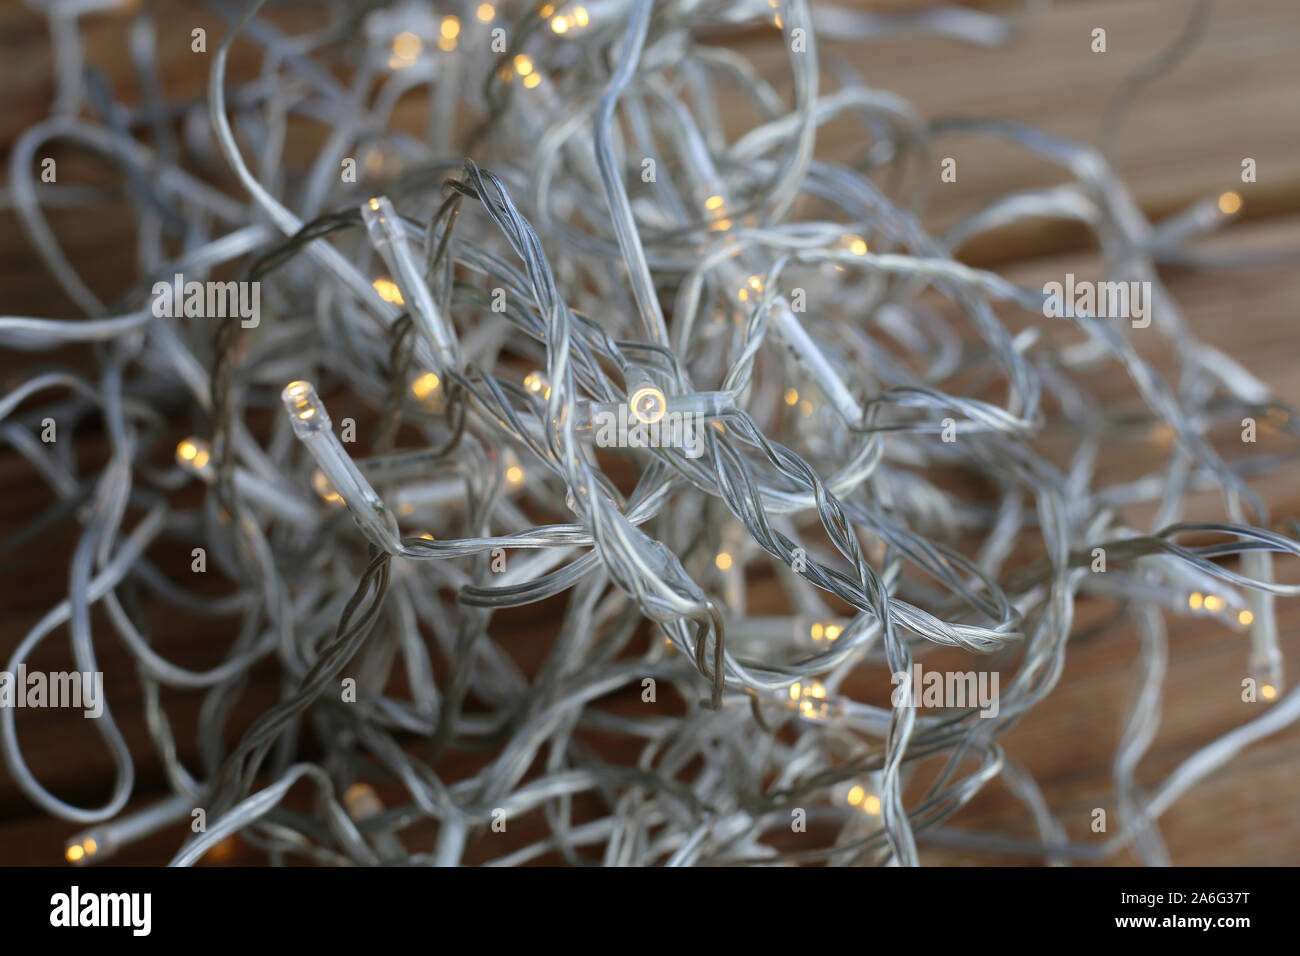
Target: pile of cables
(566, 313)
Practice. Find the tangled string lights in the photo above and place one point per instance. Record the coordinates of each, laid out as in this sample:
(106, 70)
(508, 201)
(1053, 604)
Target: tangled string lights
(621, 354)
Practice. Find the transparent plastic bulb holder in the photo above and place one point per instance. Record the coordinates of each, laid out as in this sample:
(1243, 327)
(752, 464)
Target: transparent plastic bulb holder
(311, 424)
(390, 241)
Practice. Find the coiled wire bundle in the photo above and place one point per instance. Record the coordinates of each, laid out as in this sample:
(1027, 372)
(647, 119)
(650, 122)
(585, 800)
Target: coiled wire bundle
(580, 238)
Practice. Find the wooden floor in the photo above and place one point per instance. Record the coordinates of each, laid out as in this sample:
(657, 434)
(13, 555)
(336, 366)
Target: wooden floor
(1237, 95)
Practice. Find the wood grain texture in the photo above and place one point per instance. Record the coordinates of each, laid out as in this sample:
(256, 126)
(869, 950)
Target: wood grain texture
(1235, 96)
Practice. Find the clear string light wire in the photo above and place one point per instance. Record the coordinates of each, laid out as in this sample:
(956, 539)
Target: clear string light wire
(577, 236)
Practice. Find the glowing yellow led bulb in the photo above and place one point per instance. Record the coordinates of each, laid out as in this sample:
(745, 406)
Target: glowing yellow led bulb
(448, 31)
(1244, 618)
(1196, 600)
(82, 851)
(406, 48)
(1230, 203)
(308, 414)
(193, 455)
(536, 382)
(1213, 602)
(427, 389)
(407, 45)
(388, 290)
(723, 560)
(485, 12)
(648, 404)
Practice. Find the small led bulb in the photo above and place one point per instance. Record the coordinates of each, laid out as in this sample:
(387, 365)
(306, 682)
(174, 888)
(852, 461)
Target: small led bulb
(83, 848)
(825, 631)
(306, 411)
(427, 389)
(647, 404)
(646, 400)
(515, 475)
(388, 291)
(865, 801)
(361, 801)
(406, 50)
(538, 383)
(1267, 673)
(195, 456)
(1230, 203)
(810, 699)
